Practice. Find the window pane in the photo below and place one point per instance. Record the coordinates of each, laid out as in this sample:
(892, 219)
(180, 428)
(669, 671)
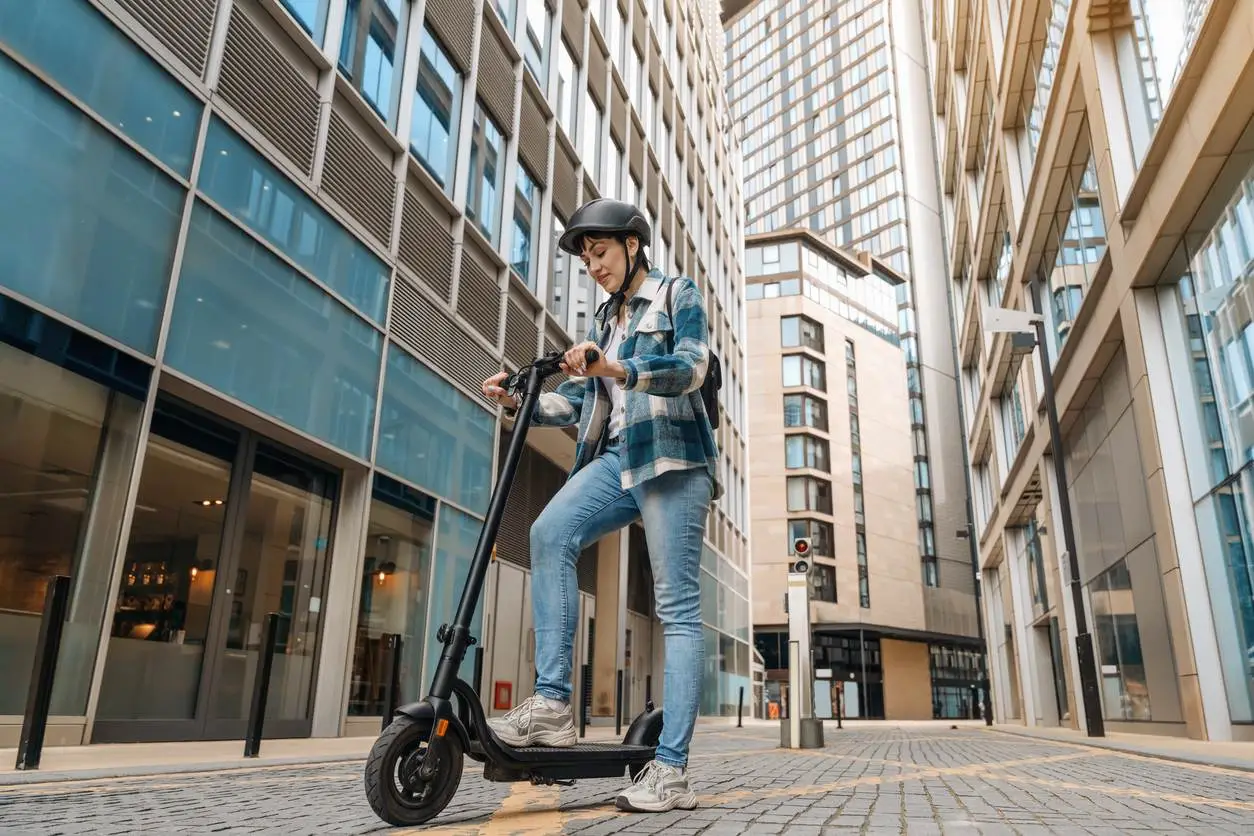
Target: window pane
(487, 174)
(456, 536)
(792, 371)
(524, 216)
(432, 435)
(434, 124)
(67, 445)
(790, 331)
(251, 327)
(368, 50)
(245, 185)
(567, 91)
(88, 226)
(84, 53)
(311, 15)
(394, 587)
(536, 38)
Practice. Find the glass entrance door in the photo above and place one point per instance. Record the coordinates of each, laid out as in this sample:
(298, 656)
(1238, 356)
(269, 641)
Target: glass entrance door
(227, 529)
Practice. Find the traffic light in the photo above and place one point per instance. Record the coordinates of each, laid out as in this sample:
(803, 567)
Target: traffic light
(801, 549)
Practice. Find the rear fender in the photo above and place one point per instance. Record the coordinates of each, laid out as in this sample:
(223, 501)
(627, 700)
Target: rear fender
(646, 729)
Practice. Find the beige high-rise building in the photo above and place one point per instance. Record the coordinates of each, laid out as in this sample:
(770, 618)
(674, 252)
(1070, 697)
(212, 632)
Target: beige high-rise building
(833, 102)
(1097, 165)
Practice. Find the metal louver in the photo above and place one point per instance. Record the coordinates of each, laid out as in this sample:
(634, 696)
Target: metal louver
(497, 80)
(618, 115)
(454, 22)
(521, 334)
(537, 482)
(572, 28)
(565, 184)
(259, 82)
(359, 181)
(439, 340)
(182, 26)
(533, 139)
(426, 246)
(637, 151)
(479, 297)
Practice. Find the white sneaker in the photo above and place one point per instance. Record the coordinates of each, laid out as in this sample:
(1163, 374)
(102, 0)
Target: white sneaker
(534, 722)
(658, 788)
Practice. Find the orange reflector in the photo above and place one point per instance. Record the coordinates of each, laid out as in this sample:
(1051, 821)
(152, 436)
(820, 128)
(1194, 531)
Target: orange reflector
(440, 728)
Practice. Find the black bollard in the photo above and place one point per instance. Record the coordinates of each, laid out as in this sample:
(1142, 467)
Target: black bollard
(618, 705)
(585, 701)
(740, 709)
(261, 686)
(391, 671)
(39, 696)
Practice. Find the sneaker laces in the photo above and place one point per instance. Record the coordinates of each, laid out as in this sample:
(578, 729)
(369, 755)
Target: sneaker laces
(523, 709)
(651, 778)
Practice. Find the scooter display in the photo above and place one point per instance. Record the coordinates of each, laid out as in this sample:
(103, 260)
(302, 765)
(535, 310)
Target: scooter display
(415, 766)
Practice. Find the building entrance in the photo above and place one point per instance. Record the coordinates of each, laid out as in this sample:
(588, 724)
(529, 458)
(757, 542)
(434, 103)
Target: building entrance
(228, 527)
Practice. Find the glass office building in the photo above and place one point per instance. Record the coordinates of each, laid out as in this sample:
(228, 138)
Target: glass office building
(257, 259)
(833, 100)
(1148, 337)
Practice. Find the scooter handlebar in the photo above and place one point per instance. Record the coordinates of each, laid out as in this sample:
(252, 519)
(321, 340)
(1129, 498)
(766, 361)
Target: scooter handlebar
(592, 355)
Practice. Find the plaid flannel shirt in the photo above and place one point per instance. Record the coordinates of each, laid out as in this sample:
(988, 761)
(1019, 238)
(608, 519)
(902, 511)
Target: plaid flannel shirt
(665, 424)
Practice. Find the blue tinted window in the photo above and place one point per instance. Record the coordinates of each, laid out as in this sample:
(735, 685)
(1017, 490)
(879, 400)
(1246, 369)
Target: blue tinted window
(368, 50)
(84, 53)
(436, 97)
(433, 435)
(487, 174)
(253, 328)
(524, 215)
(252, 190)
(456, 537)
(311, 15)
(87, 226)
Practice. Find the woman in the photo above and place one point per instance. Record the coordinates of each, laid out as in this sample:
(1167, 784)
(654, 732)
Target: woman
(646, 452)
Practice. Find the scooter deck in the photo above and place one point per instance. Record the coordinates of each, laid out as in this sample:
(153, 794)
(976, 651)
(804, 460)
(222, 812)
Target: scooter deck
(582, 751)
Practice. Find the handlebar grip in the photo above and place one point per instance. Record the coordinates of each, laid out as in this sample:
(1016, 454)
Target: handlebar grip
(592, 355)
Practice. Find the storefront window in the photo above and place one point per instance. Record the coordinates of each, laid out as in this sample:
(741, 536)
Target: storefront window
(395, 584)
(456, 537)
(66, 459)
(1125, 691)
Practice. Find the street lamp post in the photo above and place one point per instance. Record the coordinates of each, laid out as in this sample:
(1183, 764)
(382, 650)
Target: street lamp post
(985, 685)
(1023, 341)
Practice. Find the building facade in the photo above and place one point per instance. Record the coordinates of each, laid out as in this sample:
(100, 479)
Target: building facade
(258, 257)
(835, 463)
(833, 100)
(1097, 168)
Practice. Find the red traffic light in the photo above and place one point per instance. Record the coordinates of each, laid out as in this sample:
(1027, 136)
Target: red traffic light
(801, 546)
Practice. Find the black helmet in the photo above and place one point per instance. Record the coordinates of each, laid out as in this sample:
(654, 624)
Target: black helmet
(606, 216)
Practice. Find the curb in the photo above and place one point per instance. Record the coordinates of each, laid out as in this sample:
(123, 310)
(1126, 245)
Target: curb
(17, 779)
(1193, 760)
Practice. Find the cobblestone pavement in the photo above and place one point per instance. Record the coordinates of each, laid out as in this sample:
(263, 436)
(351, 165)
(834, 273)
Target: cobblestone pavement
(921, 780)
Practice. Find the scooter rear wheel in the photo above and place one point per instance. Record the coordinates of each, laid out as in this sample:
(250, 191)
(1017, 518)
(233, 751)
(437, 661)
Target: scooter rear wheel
(410, 778)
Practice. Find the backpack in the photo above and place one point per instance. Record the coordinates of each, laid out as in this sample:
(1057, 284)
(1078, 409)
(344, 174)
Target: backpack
(713, 373)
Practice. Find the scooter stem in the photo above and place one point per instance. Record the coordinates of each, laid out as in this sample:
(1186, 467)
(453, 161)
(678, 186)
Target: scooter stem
(456, 644)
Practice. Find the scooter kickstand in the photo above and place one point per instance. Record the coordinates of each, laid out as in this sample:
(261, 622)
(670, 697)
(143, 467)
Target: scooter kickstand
(538, 781)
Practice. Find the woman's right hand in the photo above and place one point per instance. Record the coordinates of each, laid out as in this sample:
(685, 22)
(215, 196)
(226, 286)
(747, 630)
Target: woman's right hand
(493, 390)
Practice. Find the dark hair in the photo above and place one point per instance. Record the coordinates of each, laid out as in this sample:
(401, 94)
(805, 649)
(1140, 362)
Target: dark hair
(621, 237)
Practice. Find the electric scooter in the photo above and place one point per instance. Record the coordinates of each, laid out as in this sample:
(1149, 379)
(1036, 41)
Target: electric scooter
(415, 766)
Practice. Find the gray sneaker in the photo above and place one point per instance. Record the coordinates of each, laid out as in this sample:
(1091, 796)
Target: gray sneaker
(533, 723)
(658, 788)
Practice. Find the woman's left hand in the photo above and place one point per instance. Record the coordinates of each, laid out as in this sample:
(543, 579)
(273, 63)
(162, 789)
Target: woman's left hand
(576, 363)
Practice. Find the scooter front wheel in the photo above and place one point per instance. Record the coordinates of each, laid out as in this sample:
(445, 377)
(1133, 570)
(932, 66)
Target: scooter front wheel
(409, 777)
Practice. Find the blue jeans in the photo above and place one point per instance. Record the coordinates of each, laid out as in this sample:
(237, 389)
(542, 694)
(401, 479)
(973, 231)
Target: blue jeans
(590, 505)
